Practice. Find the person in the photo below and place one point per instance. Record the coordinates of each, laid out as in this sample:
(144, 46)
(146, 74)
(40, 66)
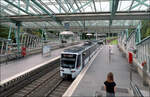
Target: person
(110, 52)
(110, 85)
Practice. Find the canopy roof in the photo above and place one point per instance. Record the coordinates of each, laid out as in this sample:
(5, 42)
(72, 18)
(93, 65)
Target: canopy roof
(66, 33)
(53, 8)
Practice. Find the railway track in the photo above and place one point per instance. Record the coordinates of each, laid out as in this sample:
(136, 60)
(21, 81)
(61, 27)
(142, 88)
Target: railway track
(59, 89)
(49, 85)
(44, 82)
(30, 78)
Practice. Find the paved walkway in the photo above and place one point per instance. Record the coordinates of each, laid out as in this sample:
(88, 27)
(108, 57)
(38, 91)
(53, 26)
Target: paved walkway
(93, 80)
(21, 65)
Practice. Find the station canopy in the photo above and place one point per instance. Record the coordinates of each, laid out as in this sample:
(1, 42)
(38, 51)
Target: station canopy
(94, 15)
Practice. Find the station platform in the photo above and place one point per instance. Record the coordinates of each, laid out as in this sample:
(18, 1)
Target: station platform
(90, 82)
(16, 67)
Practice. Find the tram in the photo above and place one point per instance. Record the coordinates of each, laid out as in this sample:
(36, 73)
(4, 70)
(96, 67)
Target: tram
(74, 59)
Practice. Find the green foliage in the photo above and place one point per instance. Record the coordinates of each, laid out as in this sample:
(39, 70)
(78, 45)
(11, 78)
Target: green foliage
(114, 42)
(145, 30)
(130, 30)
(4, 31)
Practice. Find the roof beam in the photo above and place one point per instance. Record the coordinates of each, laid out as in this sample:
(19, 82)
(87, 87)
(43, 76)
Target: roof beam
(113, 10)
(87, 3)
(6, 8)
(11, 3)
(101, 29)
(52, 16)
(131, 5)
(46, 6)
(60, 4)
(140, 3)
(71, 6)
(142, 15)
(94, 5)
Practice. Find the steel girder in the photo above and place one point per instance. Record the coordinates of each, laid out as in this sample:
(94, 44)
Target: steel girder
(131, 5)
(113, 10)
(87, 3)
(140, 3)
(11, 3)
(94, 5)
(60, 4)
(18, 7)
(51, 15)
(71, 6)
(104, 29)
(83, 16)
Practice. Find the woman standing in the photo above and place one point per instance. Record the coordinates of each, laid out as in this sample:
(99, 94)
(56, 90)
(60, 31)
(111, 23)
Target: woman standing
(110, 85)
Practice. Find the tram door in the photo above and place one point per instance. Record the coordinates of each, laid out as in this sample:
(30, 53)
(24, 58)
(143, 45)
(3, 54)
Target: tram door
(79, 64)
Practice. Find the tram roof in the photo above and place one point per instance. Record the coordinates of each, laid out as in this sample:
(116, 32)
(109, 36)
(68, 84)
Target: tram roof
(76, 49)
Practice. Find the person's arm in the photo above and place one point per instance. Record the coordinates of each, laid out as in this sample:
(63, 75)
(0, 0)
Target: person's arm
(115, 89)
(104, 87)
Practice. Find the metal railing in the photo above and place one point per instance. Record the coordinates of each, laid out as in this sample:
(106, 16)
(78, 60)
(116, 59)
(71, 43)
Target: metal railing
(131, 44)
(143, 52)
(136, 90)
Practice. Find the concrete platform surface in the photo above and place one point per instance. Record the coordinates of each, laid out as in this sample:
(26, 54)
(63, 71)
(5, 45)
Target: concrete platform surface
(93, 81)
(21, 65)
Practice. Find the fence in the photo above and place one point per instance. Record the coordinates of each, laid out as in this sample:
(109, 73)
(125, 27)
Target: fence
(140, 50)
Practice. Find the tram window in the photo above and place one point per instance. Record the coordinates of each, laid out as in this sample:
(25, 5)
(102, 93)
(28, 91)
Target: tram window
(68, 60)
(79, 61)
(68, 56)
(67, 64)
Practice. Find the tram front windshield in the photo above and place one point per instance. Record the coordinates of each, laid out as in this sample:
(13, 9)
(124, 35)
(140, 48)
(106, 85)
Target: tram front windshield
(68, 60)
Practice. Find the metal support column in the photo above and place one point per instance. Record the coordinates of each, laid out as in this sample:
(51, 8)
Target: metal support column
(127, 33)
(9, 37)
(138, 33)
(96, 35)
(17, 34)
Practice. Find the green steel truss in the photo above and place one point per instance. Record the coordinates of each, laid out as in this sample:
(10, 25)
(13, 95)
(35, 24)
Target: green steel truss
(53, 7)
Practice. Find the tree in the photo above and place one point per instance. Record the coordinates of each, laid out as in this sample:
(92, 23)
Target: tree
(145, 30)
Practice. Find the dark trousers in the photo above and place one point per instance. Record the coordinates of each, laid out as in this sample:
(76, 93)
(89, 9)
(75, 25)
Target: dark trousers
(110, 94)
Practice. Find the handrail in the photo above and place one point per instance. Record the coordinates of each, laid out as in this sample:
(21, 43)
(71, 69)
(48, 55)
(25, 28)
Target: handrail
(129, 37)
(136, 90)
(145, 39)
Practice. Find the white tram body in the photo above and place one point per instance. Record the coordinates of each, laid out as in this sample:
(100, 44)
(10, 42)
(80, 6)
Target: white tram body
(74, 59)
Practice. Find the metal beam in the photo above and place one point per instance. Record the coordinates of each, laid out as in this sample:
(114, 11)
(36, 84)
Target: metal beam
(104, 29)
(99, 29)
(77, 5)
(83, 5)
(11, 3)
(71, 6)
(6, 8)
(46, 6)
(113, 9)
(60, 4)
(18, 6)
(94, 5)
(134, 15)
(142, 2)
(27, 5)
(139, 3)
(52, 16)
(131, 5)
(22, 10)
